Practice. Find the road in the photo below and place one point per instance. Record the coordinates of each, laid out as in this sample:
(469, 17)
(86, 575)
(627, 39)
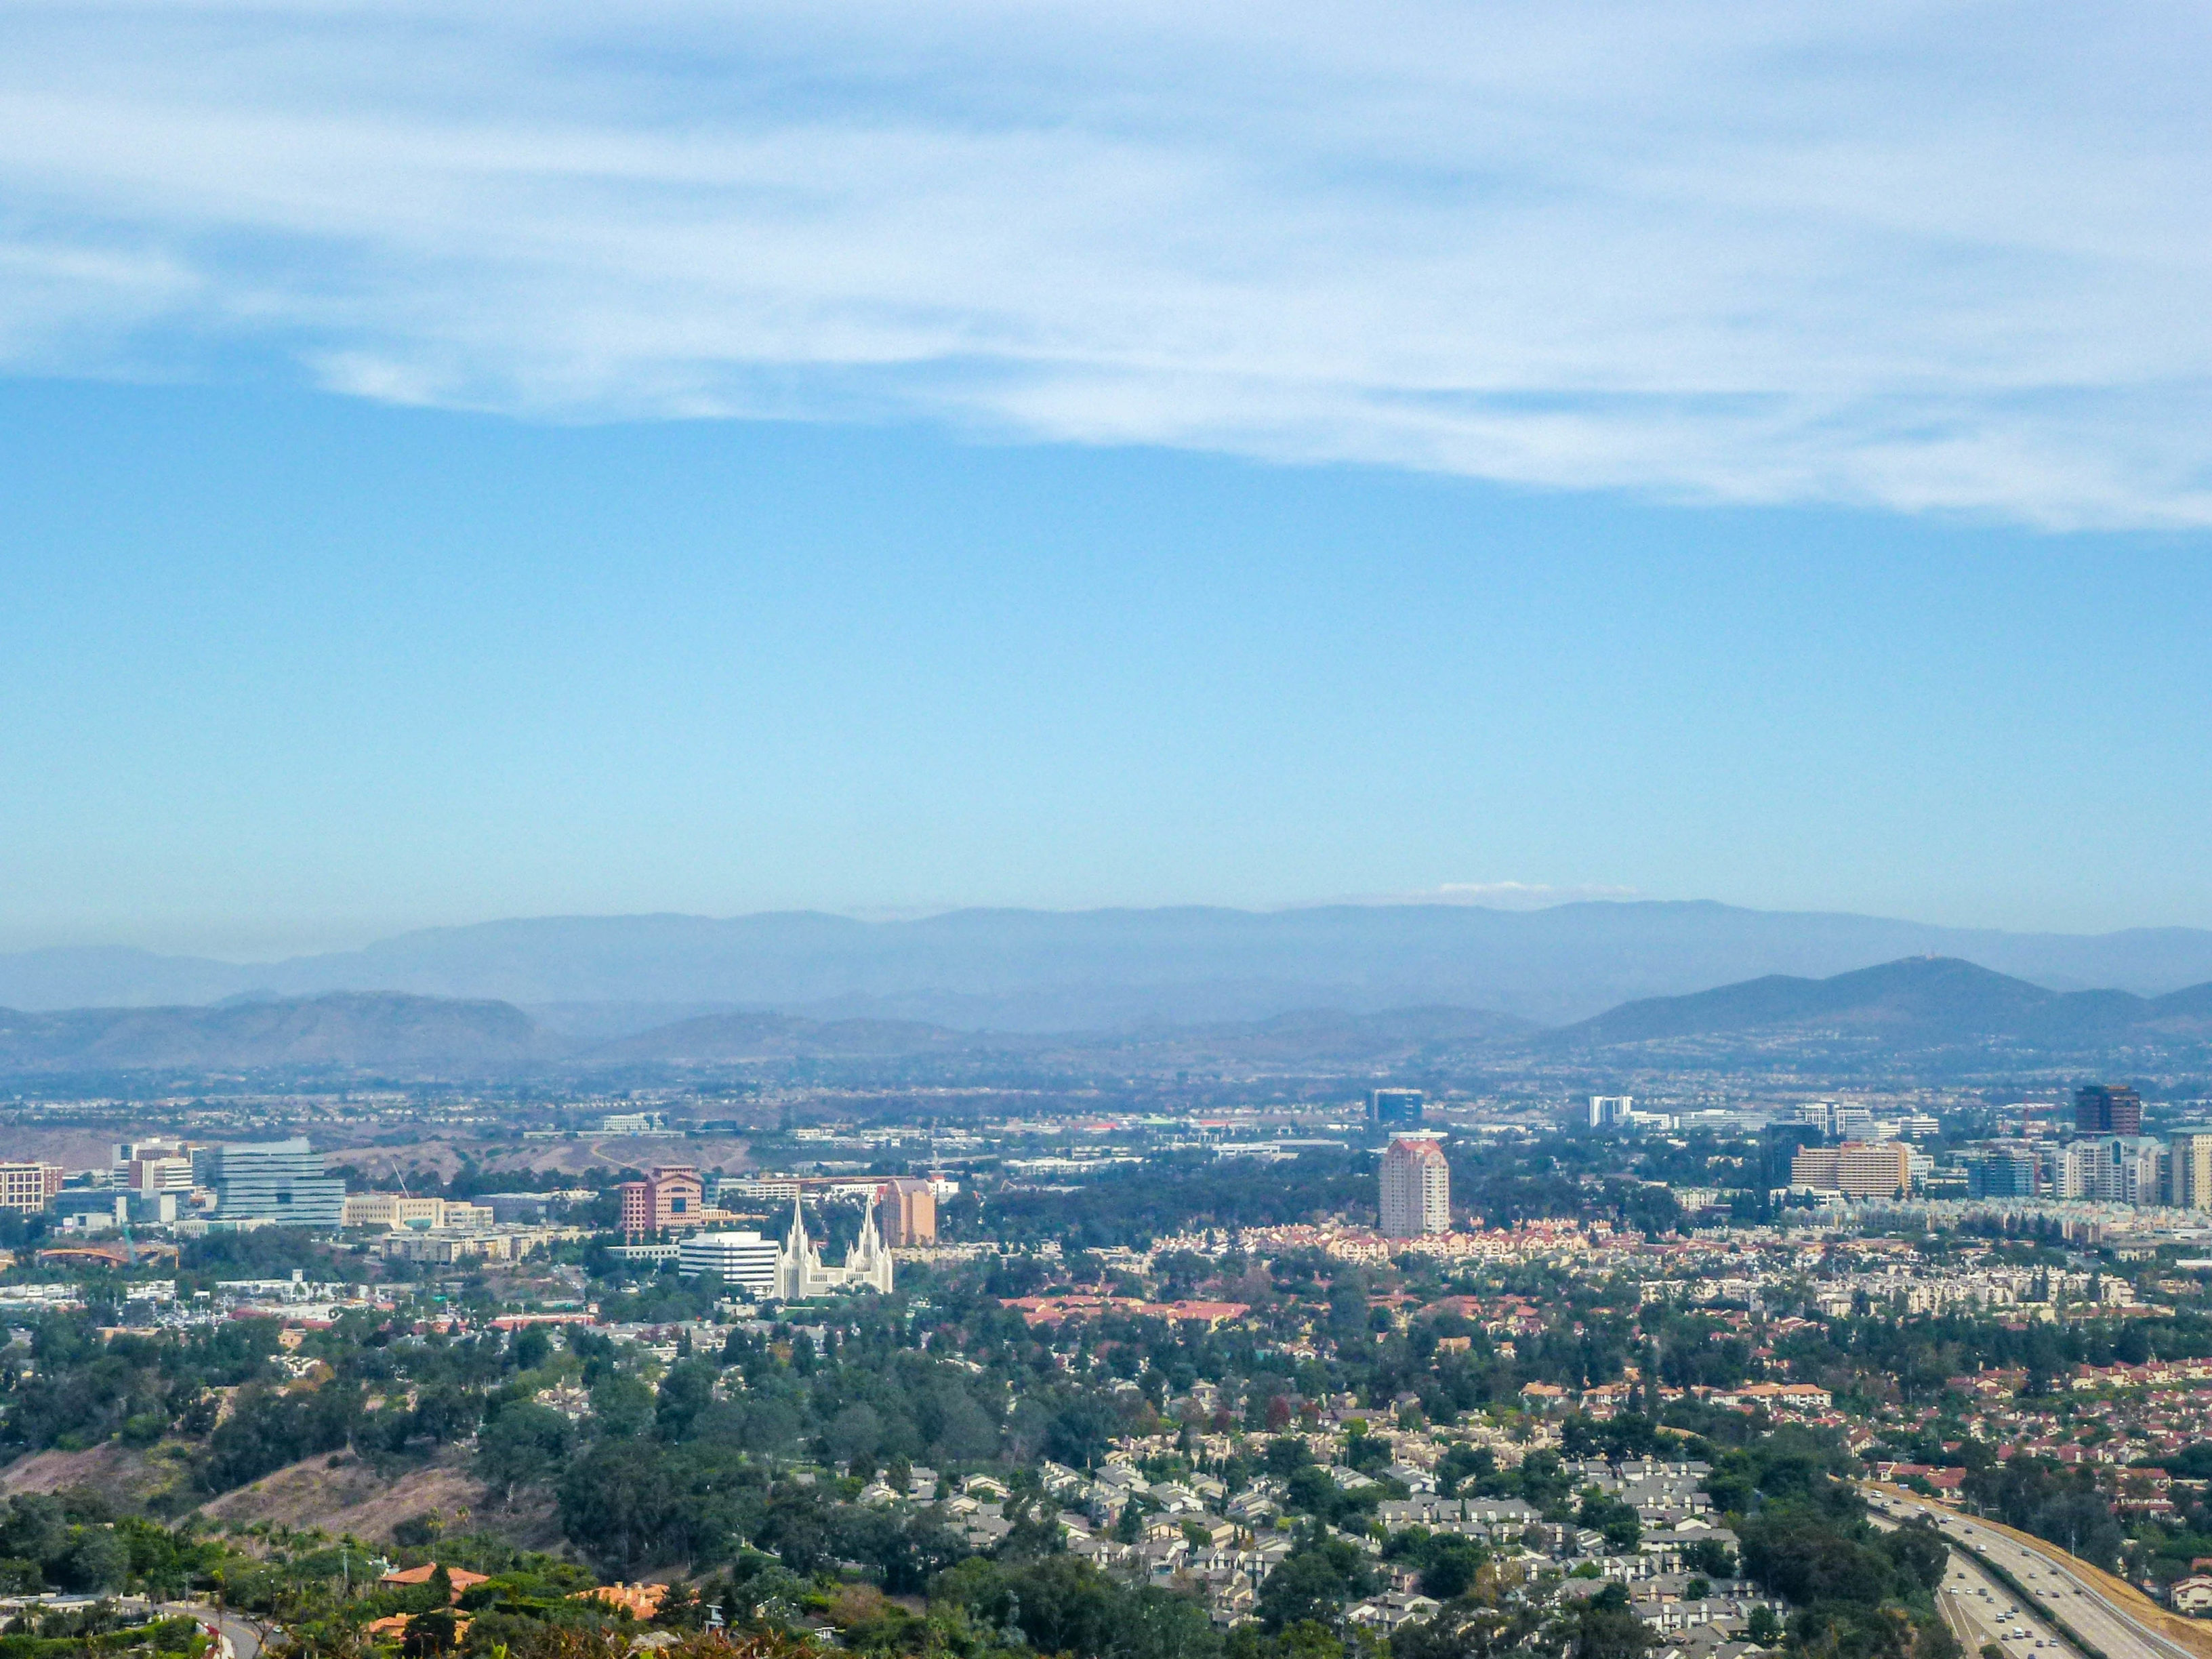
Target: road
(1980, 1610)
(2056, 1588)
(245, 1638)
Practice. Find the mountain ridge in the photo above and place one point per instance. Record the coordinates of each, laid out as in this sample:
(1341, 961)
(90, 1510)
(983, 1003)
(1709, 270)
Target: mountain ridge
(1924, 1002)
(1044, 971)
(1923, 1005)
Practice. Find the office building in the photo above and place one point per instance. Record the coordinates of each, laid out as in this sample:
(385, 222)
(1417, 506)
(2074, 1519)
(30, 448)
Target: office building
(1607, 1110)
(29, 1186)
(1416, 1188)
(667, 1199)
(2102, 1108)
(2002, 1172)
(172, 1174)
(2188, 1181)
(745, 1262)
(275, 1181)
(516, 1209)
(909, 1210)
(1857, 1168)
(426, 1214)
(736, 1191)
(151, 1166)
(1837, 1121)
(89, 1209)
(1395, 1108)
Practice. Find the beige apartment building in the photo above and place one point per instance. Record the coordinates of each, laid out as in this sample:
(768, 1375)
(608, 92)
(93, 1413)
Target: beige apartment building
(29, 1186)
(2190, 1181)
(909, 1212)
(1416, 1188)
(1857, 1168)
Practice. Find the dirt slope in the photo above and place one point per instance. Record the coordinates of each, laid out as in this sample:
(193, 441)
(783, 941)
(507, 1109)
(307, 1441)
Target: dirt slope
(353, 1499)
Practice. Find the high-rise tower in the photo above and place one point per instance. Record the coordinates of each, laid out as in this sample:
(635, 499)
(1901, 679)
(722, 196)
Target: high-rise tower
(1416, 1188)
(2101, 1108)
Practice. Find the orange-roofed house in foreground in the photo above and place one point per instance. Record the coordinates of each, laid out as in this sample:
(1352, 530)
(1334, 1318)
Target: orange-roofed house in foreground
(459, 1578)
(638, 1601)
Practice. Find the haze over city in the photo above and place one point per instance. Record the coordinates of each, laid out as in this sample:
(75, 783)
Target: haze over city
(1005, 831)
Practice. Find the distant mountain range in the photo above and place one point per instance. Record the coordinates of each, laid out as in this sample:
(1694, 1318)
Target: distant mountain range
(1041, 971)
(1922, 1006)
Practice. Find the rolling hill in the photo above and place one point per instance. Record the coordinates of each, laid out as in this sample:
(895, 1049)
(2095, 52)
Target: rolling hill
(345, 1031)
(1919, 1004)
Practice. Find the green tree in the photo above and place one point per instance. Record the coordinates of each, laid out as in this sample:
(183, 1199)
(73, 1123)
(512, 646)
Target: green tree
(623, 1405)
(524, 1445)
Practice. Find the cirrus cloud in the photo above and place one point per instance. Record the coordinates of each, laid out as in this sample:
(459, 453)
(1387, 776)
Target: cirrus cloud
(1927, 256)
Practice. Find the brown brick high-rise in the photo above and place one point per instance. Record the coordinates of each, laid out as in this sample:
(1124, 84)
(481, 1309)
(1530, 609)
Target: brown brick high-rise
(2102, 1108)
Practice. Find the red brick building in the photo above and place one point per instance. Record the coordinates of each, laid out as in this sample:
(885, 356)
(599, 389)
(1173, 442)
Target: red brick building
(665, 1199)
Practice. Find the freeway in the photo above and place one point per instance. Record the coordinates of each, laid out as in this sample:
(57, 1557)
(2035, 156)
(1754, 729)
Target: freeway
(2057, 1588)
(1982, 1611)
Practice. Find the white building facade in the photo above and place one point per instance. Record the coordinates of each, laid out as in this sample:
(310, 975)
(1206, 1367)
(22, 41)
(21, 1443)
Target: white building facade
(744, 1261)
(800, 1273)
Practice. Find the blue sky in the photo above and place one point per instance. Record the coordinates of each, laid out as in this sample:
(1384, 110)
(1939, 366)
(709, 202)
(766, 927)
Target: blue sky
(488, 460)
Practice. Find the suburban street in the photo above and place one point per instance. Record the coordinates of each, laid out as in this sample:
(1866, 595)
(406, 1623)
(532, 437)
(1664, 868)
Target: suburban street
(2058, 1589)
(244, 1639)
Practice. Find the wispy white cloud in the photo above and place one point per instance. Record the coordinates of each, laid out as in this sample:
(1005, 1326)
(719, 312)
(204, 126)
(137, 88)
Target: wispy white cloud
(1933, 256)
(1497, 895)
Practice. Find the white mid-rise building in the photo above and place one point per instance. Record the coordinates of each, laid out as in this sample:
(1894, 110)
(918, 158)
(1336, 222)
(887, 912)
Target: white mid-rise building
(1838, 1121)
(2111, 1170)
(1416, 1188)
(1605, 1110)
(743, 1261)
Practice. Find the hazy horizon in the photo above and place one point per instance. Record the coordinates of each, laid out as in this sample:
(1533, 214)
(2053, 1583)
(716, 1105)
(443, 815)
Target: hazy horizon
(888, 460)
(362, 938)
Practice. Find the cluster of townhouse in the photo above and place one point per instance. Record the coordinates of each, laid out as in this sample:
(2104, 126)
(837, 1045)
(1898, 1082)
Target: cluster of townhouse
(2106, 1418)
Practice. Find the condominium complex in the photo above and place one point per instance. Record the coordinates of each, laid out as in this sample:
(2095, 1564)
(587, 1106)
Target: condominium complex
(2189, 1172)
(1416, 1188)
(909, 1213)
(2112, 1170)
(1857, 1168)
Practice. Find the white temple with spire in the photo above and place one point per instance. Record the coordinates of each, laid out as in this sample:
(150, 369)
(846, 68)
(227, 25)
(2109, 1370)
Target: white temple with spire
(800, 1273)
